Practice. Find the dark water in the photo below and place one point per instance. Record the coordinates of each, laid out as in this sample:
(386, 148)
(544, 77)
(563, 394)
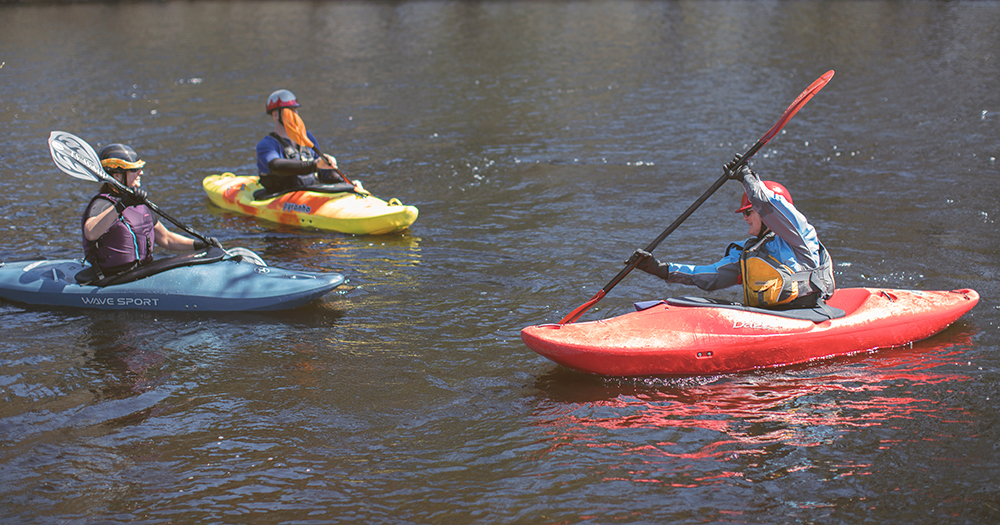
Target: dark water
(542, 142)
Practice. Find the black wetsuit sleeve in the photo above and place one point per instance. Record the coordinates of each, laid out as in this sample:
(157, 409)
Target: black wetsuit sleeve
(290, 167)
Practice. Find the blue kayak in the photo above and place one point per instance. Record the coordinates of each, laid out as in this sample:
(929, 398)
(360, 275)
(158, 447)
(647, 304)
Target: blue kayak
(210, 280)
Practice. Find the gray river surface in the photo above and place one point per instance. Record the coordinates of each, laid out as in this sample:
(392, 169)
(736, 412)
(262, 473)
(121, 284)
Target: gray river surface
(542, 142)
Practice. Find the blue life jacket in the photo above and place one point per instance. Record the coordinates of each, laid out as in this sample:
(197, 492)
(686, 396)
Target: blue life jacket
(292, 151)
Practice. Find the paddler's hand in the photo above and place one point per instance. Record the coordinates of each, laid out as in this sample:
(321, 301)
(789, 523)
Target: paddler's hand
(133, 197)
(638, 257)
(738, 174)
(326, 162)
(212, 241)
(646, 262)
(643, 260)
(729, 166)
(359, 189)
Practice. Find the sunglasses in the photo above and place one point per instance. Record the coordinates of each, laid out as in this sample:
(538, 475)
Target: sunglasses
(746, 213)
(119, 171)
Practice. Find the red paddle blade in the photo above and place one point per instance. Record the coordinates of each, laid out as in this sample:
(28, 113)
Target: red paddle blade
(797, 104)
(575, 314)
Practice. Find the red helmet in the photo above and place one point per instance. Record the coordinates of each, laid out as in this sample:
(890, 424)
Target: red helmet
(281, 98)
(778, 189)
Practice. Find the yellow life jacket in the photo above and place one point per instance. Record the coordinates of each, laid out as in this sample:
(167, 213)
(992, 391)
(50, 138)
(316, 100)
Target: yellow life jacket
(768, 282)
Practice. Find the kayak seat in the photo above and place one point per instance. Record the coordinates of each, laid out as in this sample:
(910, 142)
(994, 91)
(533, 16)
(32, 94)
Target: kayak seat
(339, 187)
(817, 315)
(88, 276)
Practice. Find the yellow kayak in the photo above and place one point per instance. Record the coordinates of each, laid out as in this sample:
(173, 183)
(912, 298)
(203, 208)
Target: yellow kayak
(345, 212)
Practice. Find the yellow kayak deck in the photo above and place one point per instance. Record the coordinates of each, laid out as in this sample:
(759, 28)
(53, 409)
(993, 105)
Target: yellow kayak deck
(342, 212)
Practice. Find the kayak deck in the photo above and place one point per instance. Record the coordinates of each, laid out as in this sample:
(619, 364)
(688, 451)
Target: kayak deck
(699, 340)
(345, 212)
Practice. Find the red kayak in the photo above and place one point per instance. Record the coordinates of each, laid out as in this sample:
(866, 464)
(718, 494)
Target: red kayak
(699, 337)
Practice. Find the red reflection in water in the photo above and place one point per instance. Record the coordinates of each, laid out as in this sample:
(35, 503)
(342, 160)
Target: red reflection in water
(801, 406)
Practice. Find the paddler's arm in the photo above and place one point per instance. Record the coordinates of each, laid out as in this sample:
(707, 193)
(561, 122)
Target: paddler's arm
(177, 242)
(324, 161)
(172, 241)
(291, 167)
(722, 274)
(327, 162)
(103, 215)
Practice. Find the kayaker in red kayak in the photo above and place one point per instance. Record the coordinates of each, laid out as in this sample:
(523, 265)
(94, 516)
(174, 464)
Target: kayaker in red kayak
(782, 265)
(119, 229)
(288, 157)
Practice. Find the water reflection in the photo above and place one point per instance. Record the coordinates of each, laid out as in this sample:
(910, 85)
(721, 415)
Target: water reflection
(115, 377)
(541, 141)
(121, 368)
(759, 415)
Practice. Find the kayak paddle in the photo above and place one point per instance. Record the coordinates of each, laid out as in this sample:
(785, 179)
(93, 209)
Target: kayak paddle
(296, 130)
(795, 106)
(77, 159)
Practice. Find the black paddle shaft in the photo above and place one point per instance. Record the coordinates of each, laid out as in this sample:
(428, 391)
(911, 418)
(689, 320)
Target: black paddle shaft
(687, 213)
(76, 158)
(156, 209)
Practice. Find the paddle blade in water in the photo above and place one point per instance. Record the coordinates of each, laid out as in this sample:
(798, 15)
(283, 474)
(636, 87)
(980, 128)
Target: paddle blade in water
(247, 255)
(295, 128)
(75, 157)
(582, 309)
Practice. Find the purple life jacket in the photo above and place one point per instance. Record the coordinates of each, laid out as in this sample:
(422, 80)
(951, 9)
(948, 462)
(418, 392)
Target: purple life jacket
(127, 242)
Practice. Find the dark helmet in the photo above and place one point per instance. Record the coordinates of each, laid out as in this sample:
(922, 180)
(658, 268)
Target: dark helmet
(777, 188)
(119, 157)
(281, 98)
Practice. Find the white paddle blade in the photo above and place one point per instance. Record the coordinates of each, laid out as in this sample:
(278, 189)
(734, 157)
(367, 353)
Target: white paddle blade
(247, 254)
(75, 157)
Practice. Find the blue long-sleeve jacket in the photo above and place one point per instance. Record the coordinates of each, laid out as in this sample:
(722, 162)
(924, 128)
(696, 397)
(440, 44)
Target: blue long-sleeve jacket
(795, 243)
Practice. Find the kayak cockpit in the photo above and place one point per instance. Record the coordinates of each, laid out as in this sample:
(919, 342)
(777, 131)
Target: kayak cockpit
(89, 275)
(338, 187)
(843, 303)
